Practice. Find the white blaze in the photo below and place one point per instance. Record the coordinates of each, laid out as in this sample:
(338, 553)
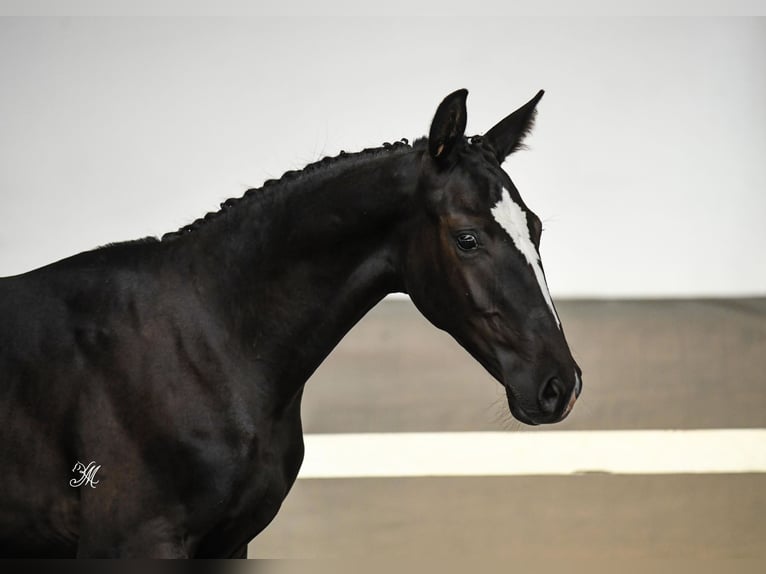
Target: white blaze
(513, 220)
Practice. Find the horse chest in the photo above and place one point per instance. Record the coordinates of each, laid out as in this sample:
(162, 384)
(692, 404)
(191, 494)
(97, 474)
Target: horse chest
(275, 464)
(266, 478)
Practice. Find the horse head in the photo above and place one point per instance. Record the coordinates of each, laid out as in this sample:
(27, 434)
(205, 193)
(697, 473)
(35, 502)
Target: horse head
(472, 263)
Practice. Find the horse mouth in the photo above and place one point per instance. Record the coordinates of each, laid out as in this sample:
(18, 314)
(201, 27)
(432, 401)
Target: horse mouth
(489, 356)
(521, 416)
(493, 366)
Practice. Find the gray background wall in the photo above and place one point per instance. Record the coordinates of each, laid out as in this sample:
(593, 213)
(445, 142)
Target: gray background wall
(646, 166)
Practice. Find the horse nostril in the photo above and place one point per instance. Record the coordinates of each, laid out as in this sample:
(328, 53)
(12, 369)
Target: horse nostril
(578, 385)
(550, 395)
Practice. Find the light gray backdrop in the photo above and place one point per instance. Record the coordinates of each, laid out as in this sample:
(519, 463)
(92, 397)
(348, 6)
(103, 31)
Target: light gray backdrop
(646, 166)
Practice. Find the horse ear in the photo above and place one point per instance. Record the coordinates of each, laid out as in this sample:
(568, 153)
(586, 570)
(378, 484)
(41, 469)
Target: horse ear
(448, 126)
(508, 135)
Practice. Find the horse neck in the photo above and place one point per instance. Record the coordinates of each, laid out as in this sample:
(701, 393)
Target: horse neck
(297, 268)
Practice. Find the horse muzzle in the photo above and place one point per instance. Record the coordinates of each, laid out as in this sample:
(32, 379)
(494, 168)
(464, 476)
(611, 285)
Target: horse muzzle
(555, 400)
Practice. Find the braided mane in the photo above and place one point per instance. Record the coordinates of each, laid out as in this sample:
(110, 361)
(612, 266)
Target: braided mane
(289, 176)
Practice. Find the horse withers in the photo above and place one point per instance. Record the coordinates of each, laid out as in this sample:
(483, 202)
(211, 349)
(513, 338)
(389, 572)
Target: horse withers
(169, 372)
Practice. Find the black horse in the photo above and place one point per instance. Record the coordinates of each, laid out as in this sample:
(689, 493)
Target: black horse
(177, 366)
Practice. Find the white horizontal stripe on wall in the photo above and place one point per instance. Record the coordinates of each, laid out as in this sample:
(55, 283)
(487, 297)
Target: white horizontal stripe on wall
(534, 453)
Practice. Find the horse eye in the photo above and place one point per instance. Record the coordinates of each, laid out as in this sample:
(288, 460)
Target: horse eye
(467, 241)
